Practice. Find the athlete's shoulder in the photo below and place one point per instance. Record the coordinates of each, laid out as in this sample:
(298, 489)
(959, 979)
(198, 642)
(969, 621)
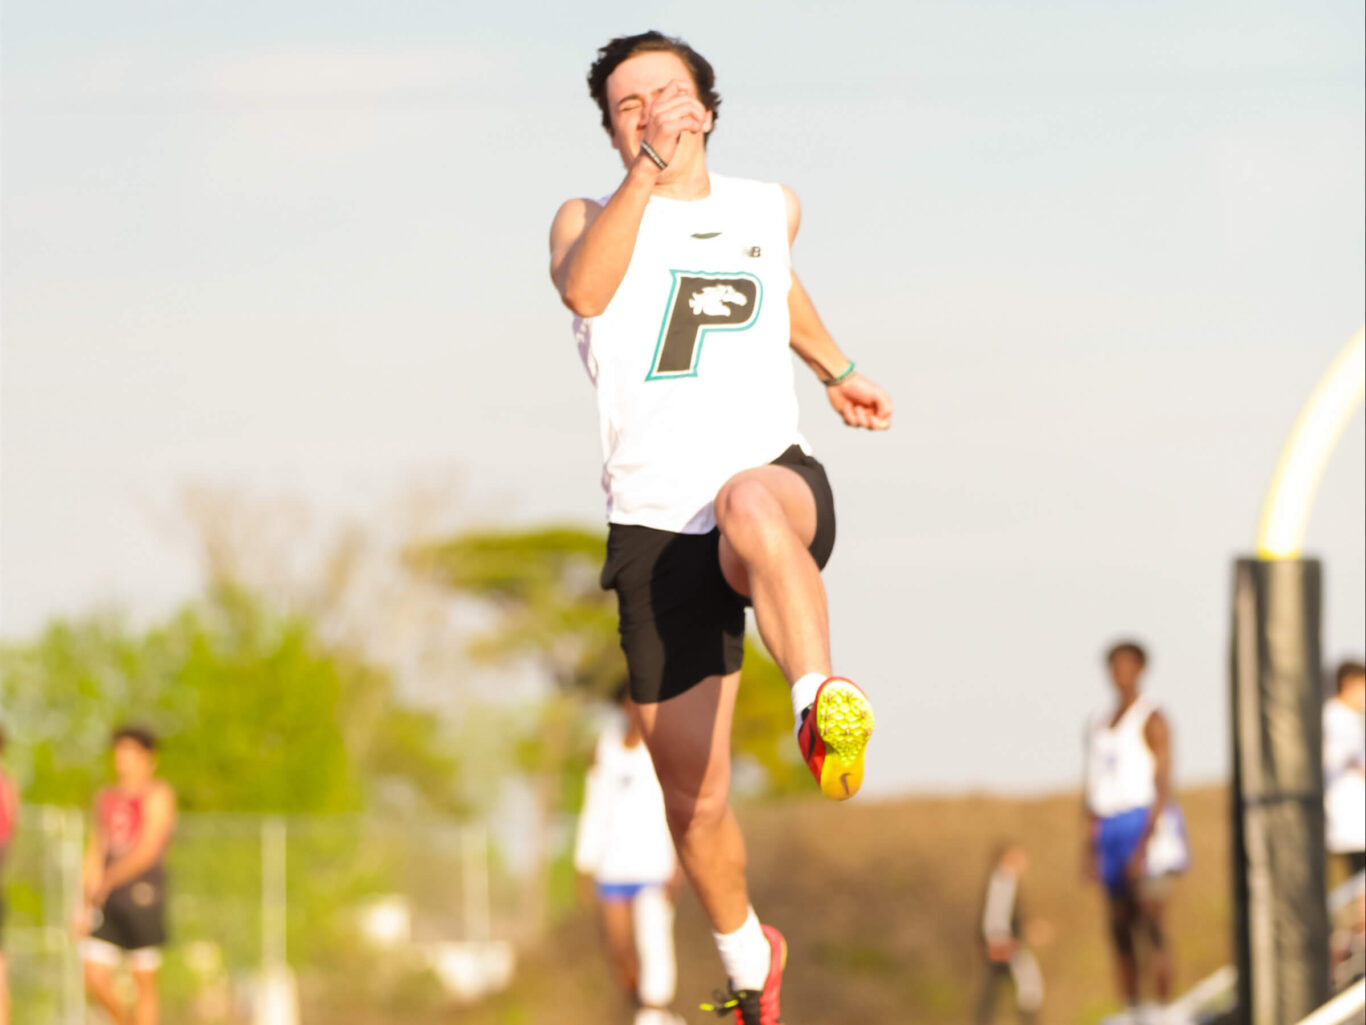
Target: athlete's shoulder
(579, 206)
(573, 218)
(160, 790)
(1155, 720)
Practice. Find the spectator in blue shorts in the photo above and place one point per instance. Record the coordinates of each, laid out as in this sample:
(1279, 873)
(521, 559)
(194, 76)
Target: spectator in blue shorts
(1136, 840)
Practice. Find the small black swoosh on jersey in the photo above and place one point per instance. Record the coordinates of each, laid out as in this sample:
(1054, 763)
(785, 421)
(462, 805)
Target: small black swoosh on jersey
(705, 234)
(844, 781)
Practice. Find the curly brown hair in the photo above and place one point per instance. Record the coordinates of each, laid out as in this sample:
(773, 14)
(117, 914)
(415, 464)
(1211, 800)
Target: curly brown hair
(622, 48)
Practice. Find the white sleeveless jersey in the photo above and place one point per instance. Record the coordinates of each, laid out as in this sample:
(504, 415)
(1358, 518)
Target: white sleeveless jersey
(690, 358)
(1119, 763)
(1344, 759)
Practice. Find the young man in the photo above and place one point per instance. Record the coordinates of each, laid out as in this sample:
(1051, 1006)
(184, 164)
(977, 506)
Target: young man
(1135, 836)
(124, 877)
(1344, 797)
(1008, 957)
(623, 843)
(686, 307)
(9, 819)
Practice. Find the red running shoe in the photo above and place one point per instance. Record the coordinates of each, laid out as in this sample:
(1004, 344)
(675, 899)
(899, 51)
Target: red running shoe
(833, 736)
(752, 1006)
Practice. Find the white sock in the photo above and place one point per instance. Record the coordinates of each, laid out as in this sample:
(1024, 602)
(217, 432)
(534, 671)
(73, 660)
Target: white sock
(804, 696)
(745, 953)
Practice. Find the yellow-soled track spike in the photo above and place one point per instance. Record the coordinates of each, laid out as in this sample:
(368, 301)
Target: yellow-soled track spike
(844, 720)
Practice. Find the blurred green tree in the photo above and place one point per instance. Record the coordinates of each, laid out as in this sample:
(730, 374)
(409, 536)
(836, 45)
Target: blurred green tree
(544, 585)
(256, 712)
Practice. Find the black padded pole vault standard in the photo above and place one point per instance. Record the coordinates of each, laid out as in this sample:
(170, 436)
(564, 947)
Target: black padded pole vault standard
(1280, 909)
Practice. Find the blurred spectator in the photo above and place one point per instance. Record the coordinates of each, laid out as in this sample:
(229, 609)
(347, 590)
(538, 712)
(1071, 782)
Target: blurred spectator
(624, 844)
(9, 818)
(1003, 940)
(1136, 839)
(1344, 797)
(124, 877)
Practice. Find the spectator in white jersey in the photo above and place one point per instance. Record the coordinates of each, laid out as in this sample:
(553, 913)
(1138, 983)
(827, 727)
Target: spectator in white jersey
(1002, 932)
(623, 845)
(687, 312)
(1344, 797)
(1136, 837)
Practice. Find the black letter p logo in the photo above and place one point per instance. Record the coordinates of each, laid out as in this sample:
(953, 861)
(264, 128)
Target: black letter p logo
(700, 303)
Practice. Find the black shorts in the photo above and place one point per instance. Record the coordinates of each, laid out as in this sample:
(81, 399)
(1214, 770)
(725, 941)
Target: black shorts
(680, 622)
(134, 916)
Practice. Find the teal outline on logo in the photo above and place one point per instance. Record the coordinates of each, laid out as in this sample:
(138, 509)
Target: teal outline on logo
(705, 330)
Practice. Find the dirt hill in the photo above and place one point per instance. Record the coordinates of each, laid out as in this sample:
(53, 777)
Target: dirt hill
(879, 902)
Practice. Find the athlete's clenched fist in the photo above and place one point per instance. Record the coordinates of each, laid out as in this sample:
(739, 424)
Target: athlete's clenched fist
(672, 112)
(861, 403)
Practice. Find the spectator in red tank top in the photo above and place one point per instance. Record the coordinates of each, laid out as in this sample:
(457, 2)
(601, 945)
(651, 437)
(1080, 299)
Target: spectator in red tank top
(124, 876)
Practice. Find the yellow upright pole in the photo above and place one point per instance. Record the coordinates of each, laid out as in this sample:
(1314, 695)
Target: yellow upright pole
(1285, 514)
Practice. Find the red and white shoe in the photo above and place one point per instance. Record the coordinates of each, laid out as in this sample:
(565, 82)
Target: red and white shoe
(752, 1006)
(833, 736)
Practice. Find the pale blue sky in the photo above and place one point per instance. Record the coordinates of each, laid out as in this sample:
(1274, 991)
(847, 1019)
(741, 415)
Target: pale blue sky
(1098, 253)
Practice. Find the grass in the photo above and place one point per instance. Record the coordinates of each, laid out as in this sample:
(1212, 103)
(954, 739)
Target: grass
(879, 902)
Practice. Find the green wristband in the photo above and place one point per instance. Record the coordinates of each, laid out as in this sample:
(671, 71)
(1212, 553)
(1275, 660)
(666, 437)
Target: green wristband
(839, 378)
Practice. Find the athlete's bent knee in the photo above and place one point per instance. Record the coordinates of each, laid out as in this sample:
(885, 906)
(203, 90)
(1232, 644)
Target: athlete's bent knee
(746, 509)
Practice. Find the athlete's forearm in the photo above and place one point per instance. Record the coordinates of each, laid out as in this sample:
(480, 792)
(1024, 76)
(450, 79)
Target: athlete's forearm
(1090, 832)
(592, 272)
(92, 866)
(127, 868)
(1163, 797)
(1159, 742)
(809, 338)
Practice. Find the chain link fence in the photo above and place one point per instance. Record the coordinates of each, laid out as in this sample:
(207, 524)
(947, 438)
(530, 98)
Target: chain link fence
(283, 920)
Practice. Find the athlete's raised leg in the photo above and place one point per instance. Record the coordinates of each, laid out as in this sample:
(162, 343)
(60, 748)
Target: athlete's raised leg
(767, 517)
